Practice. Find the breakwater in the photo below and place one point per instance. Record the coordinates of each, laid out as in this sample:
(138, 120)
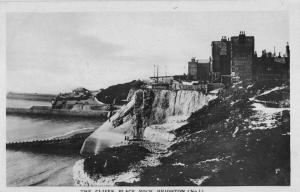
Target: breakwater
(58, 145)
(48, 111)
(30, 96)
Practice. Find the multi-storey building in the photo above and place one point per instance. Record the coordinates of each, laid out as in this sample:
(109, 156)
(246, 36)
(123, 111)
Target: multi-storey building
(242, 54)
(221, 55)
(199, 70)
(234, 59)
(271, 66)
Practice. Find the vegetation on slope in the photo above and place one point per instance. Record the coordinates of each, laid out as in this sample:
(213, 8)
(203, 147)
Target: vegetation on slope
(229, 142)
(117, 92)
(114, 160)
(220, 147)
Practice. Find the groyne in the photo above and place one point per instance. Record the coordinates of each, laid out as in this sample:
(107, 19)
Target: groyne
(66, 145)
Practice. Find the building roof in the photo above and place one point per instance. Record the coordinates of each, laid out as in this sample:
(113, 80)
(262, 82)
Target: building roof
(236, 37)
(203, 60)
(162, 76)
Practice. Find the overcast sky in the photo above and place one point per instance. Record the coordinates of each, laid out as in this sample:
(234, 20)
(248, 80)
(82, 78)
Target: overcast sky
(56, 52)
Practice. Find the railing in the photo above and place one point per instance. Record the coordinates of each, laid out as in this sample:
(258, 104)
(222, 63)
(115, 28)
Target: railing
(175, 87)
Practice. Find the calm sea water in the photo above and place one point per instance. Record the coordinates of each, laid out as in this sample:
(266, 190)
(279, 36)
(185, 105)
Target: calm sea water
(25, 168)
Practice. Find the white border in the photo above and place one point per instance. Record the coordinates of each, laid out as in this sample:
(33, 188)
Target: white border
(292, 6)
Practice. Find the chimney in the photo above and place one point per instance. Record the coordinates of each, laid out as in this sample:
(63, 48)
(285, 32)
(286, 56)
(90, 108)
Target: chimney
(287, 49)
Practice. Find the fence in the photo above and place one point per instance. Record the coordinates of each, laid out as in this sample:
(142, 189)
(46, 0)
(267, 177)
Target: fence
(176, 87)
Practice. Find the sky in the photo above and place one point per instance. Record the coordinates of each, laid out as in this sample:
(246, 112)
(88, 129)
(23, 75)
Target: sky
(57, 52)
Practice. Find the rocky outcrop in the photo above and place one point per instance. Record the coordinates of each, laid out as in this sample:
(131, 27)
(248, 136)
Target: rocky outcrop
(146, 110)
(117, 93)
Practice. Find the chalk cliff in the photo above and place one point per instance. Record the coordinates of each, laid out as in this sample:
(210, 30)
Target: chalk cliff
(150, 114)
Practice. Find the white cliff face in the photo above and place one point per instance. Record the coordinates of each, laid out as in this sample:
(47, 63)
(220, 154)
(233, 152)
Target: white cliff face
(168, 109)
(182, 103)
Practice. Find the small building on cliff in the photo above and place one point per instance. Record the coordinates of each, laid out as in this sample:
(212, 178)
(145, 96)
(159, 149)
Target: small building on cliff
(199, 70)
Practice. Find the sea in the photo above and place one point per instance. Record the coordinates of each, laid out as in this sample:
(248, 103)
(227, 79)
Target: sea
(37, 169)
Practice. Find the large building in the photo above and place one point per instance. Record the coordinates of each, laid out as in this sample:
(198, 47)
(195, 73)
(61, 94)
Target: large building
(221, 55)
(199, 70)
(242, 55)
(271, 66)
(234, 59)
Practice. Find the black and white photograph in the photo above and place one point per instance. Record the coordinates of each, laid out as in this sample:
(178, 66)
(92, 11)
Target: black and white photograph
(153, 97)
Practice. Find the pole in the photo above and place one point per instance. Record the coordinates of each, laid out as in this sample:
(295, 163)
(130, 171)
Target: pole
(157, 72)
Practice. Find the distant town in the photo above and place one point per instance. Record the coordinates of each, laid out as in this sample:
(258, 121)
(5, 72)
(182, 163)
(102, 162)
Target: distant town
(233, 59)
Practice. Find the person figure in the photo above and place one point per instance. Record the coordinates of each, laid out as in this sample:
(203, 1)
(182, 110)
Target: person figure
(110, 112)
